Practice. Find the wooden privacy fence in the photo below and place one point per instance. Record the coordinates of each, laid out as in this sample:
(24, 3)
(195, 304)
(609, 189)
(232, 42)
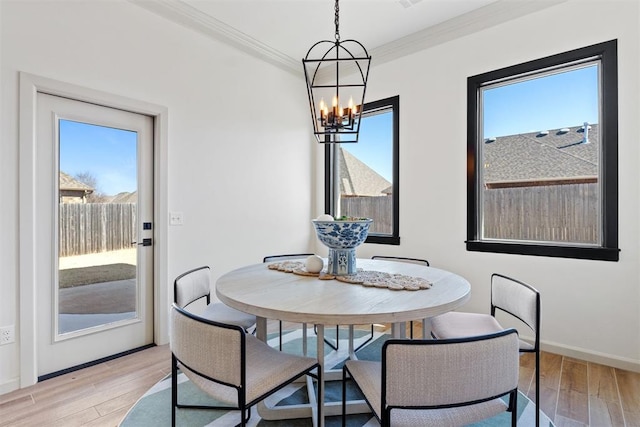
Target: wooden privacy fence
(380, 209)
(552, 213)
(96, 227)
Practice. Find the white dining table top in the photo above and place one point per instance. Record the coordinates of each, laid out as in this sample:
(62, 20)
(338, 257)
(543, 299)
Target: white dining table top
(273, 294)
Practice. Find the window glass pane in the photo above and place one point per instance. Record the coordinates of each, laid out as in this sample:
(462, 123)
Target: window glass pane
(541, 158)
(366, 172)
(97, 277)
(361, 179)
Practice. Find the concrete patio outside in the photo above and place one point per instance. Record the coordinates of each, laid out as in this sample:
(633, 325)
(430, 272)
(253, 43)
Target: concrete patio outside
(89, 305)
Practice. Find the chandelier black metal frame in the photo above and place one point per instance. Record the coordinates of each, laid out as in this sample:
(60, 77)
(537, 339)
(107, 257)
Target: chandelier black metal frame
(336, 71)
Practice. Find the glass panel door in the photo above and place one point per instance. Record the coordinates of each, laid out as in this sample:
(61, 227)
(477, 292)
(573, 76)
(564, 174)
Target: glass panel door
(97, 223)
(93, 232)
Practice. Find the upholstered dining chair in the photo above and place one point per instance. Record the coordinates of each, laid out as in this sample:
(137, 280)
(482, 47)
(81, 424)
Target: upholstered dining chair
(196, 284)
(511, 296)
(230, 365)
(439, 382)
(279, 258)
(418, 261)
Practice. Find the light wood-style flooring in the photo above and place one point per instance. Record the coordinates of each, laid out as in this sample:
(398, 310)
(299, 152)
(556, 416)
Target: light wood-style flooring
(572, 393)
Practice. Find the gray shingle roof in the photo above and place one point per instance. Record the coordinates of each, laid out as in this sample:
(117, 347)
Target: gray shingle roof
(69, 183)
(124, 197)
(358, 179)
(536, 156)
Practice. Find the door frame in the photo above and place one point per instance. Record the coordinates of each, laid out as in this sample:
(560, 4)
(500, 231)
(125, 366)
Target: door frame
(30, 85)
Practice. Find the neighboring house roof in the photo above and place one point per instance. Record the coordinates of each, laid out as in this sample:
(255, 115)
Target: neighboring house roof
(358, 179)
(124, 197)
(67, 182)
(540, 156)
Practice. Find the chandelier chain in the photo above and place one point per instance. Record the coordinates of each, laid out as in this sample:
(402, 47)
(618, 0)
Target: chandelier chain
(337, 21)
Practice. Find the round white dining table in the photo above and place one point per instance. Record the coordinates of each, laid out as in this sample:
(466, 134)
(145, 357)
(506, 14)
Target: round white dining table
(273, 294)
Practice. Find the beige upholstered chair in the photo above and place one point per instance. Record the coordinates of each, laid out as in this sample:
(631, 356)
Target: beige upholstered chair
(439, 382)
(230, 365)
(418, 261)
(279, 258)
(510, 296)
(196, 284)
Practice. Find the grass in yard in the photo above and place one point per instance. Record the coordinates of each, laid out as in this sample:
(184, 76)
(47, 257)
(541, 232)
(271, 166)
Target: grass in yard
(95, 274)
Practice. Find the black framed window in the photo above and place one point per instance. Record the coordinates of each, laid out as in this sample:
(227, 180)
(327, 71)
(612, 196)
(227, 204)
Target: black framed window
(361, 179)
(542, 156)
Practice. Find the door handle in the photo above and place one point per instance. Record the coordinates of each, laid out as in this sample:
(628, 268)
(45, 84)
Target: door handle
(145, 242)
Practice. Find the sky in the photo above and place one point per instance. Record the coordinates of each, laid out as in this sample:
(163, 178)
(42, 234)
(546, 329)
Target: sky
(109, 154)
(375, 146)
(545, 103)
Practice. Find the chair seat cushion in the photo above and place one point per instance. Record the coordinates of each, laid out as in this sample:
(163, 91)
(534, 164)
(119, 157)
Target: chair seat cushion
(266, 369)
(459, 325)
(456, 324)
(369, 378)
(219, 312)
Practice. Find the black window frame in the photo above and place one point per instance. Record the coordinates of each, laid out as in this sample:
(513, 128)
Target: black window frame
(329, 185)
(608, 250)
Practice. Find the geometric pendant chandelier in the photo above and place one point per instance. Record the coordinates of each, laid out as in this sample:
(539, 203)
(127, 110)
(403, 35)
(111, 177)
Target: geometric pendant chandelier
(336, 74)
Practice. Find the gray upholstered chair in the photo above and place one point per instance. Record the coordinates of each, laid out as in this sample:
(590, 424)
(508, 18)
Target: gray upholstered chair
(439, 382)
(228, 364)
(196, 284)
(418, 261)
(510, 296)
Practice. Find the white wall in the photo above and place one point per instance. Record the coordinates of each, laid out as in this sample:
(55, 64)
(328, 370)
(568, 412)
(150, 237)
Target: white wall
(238, 169)
(589, 308)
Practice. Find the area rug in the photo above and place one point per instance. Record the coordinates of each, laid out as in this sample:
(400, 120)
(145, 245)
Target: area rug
(154, 408)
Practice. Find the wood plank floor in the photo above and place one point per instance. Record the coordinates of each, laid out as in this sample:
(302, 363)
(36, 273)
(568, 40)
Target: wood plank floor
(572, 392)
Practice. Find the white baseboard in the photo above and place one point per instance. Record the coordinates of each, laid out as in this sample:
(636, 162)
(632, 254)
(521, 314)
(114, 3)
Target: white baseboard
(9, 386)
(591, 356)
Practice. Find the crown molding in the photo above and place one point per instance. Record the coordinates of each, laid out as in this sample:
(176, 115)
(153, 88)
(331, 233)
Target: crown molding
(485, 17)
(182, 13)
(477, 20)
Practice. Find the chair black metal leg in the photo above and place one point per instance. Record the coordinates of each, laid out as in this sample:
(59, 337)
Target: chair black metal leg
(174, 389)
(280, 333)
(327, 341)
(344, 397)
(514, 408)
(368, 339)
(537, 388)
(320, 390)
(337, 339)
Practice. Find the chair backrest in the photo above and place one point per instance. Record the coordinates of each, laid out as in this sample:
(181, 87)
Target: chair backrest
(402, 259)
(210, 349)
(516, 298)
(457, 372)
(191, 286)
(284, 257)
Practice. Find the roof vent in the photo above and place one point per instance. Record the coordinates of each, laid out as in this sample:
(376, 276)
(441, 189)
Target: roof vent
(585, 130)
(490, 140)
(563, 131)
(542, 133)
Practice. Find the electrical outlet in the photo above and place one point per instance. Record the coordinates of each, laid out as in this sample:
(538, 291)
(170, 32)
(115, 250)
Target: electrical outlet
(7, 334)
(176, 218)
